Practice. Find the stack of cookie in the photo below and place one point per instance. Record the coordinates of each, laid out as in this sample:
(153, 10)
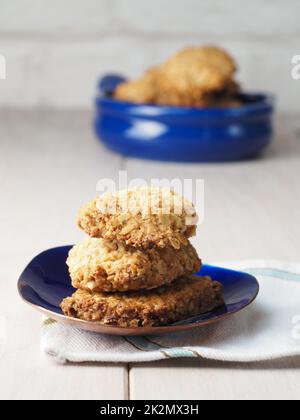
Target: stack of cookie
(136, 268)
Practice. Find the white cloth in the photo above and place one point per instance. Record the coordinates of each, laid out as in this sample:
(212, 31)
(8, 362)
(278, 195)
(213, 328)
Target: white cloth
(268, 329)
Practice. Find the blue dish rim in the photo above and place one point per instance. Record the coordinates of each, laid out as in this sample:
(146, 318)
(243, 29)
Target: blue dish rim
(258, 103)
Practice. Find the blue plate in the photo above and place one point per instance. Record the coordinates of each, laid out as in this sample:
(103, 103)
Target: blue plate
(183, 134)
(46, 282)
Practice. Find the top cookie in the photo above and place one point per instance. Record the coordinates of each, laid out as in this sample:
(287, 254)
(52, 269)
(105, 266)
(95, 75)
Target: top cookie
(194, 72)
(142, 218)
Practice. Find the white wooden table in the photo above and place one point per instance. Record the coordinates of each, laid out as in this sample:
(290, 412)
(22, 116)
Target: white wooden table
(49, 165)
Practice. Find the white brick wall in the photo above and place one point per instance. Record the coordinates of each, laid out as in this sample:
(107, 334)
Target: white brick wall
(210, 17)
(55, 18)
(55, 51)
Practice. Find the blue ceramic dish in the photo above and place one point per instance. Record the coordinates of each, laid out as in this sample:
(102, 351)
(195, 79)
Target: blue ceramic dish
(46, 282)
(183, 134)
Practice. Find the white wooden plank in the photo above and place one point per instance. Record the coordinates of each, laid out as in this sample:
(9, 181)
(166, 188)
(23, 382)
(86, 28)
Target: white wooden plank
(28, 374)
(252, 210)
(49, 166)
(204, 380)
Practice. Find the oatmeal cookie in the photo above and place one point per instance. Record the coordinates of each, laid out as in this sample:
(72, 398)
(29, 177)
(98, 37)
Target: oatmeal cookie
(142, 218)
(186, 297)
(99, 265)
(135, 91)
(193, 72)
(220, 99)
(171, 97)
(141, 91)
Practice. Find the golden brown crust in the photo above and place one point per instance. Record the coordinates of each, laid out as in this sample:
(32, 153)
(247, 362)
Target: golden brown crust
(194, 77)
(141, 91)
(150, 217)
(136, 91)
(172, 97)
(196, 71)
(102, 266)
(186, 297)
(224, 98)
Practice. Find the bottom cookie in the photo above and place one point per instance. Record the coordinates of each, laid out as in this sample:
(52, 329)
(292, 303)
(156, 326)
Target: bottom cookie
(186, 297)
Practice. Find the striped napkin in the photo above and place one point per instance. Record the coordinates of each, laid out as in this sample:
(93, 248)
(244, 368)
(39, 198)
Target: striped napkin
(268, 329)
